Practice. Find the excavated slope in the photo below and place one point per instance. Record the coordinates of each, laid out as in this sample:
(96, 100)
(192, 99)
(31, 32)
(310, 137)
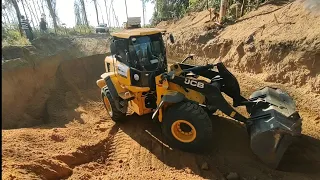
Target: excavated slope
(35, 94)
(34, 76)
(280, 42)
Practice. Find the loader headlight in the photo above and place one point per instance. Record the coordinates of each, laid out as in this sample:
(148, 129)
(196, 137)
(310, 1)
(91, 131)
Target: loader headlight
(136, 77)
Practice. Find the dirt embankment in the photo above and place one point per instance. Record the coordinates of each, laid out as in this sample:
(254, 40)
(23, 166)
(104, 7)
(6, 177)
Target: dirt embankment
(32, 81)
(280, 42)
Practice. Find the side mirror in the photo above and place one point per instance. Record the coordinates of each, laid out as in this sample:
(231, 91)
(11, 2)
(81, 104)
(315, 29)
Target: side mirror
(171, 38)
(191, 56)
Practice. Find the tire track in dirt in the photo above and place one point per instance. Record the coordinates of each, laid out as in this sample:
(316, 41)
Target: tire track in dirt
(134, 149)
(61, 166)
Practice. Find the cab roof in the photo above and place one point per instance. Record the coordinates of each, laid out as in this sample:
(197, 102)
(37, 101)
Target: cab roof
(137, 32)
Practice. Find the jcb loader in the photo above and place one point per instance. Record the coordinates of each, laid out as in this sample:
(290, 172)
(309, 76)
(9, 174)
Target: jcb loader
(183, 98)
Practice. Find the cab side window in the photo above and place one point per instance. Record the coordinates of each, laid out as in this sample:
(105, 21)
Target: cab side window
(122, 51)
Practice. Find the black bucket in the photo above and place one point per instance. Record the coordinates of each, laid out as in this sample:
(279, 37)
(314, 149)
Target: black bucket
(273, 124)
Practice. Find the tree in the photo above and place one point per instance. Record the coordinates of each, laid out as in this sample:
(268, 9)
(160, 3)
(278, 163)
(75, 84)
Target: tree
(223, 10)
(42, 6)
(243, 7)
(16, 7)
(101, 13)
(38, 14)
(4, 11)
(33, 16)
(97, 14)
(39, 8)
(144, 10)
(84, 12)
(110, 9)
(24, 9)
(108, 19)
(77, 13)
(53, 15)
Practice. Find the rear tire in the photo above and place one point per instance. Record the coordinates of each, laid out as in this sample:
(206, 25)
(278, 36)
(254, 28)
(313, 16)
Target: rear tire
(113, 112)
(196, 137)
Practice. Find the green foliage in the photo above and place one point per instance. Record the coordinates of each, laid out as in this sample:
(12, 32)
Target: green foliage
(11, 36)
(176, 9)
(169, 9)
(200, 5)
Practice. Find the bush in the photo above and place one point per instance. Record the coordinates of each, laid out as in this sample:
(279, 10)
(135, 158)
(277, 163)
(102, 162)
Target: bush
(11, 36)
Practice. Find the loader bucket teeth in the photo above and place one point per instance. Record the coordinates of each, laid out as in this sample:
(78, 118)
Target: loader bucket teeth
(273, 124)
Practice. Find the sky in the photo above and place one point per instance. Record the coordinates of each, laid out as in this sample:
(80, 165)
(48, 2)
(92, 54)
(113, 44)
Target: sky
(65, 10)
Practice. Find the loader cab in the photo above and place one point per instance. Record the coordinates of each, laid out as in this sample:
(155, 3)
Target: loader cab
(142, 53)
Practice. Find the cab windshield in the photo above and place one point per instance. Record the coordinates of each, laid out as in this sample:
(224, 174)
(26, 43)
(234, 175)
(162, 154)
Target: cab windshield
(147, 50)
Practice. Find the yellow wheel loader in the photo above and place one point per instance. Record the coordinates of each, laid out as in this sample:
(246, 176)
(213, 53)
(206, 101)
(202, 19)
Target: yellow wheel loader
(137, 80)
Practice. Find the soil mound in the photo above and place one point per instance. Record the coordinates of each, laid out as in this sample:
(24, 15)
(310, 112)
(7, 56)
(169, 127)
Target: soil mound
(38, 93)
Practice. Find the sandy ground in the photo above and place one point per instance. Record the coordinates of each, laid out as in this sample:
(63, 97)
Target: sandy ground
(83, 143)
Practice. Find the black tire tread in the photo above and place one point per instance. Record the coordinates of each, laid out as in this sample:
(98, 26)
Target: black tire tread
(117, 116)
(200, 119)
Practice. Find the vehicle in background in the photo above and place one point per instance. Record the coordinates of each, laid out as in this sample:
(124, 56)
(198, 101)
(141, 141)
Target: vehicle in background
(102, 28)
(132, 22)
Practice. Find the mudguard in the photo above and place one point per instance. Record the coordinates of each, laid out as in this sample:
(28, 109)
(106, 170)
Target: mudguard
(169, 97)
(273, 124)
(114, 94)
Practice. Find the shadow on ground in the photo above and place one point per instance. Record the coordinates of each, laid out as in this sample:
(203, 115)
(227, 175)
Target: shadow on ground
(230, 151)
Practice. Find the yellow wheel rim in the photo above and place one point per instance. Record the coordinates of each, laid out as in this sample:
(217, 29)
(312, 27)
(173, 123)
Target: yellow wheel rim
(107, 105)
(183, 131)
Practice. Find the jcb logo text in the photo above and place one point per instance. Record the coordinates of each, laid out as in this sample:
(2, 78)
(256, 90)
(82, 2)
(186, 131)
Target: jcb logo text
(194, 83)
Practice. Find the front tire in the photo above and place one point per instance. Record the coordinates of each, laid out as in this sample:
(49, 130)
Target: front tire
(113, 112)
(188, 127)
